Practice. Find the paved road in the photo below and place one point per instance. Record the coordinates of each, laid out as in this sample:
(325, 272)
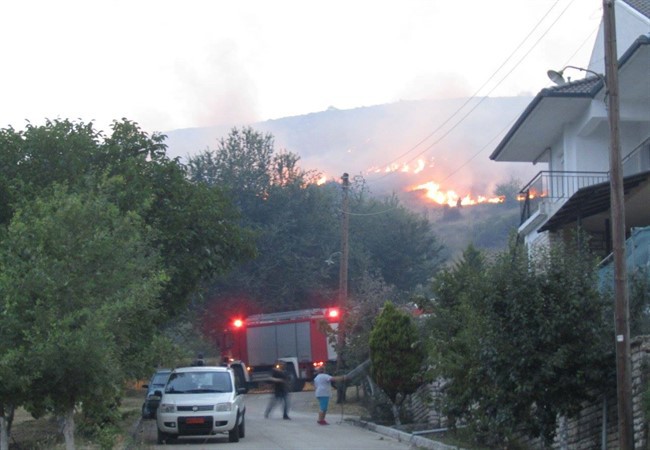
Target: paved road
(300, 433)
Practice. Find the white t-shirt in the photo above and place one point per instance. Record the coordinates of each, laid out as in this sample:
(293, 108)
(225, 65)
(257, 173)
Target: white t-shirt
(322, 386)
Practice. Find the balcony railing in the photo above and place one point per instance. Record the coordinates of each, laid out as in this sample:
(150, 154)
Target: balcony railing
(638, 160)
(549, 186)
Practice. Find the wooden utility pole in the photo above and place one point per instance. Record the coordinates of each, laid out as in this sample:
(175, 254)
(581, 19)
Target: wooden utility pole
(343, 283)
(622, 311)
(345, 223)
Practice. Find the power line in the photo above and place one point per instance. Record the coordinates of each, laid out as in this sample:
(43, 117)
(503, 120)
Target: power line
(517, 64)
(478, 90)
(500, 133)
(570, 58)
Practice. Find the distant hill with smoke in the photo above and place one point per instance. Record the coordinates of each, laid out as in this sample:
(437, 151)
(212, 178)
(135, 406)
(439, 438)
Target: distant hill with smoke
(394, 146)
(402, 145)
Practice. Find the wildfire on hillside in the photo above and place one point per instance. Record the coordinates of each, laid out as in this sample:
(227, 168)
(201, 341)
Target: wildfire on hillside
(431, 191)
(411, 177)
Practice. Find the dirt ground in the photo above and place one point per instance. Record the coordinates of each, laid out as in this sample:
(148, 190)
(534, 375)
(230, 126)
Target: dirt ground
(28, 433)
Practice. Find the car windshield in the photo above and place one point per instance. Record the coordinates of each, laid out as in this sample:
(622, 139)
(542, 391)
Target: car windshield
(198, 382)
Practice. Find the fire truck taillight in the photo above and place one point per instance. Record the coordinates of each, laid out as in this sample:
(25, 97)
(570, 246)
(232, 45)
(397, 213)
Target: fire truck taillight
(333, 313)
(238, 323)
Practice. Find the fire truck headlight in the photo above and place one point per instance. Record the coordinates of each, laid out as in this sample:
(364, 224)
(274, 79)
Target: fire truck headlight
(167, 407)
(224, 407)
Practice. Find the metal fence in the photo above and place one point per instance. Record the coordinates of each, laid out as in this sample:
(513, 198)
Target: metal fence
(552, 186)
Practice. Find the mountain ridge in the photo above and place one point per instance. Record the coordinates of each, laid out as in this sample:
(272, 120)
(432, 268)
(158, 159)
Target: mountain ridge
(449, 139)
(364, 140)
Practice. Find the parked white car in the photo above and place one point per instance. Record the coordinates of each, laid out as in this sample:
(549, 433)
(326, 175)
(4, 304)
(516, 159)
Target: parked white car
(201, 401)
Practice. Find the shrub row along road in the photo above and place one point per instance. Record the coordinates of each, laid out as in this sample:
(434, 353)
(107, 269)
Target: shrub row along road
(300, 433)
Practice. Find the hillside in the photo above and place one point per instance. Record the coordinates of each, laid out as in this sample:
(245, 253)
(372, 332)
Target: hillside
(397, 147)
(485, 226)
(452, 138)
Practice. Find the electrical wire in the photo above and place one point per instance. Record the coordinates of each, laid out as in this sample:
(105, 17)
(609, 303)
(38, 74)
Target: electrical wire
(500, 133)
(537, 25)
(570, 58)
(482, 99)
(469, 99)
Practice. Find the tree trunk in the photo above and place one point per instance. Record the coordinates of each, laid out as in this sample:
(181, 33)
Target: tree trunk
(341, 388)
(68, 429)
(395, 409)
(6, 419)
(357, 372)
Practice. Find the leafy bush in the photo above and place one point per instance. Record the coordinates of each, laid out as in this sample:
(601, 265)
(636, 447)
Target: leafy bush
(521, 339)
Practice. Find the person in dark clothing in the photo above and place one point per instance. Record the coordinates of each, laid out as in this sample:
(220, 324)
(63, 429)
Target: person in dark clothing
(199, 361)
(280, 390)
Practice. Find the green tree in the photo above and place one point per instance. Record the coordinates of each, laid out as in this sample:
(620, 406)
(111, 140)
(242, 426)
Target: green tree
(298, 227)
(15, 372)
(80, 285)
(536, 342)
(639, 288)
(196, 229)
(455, 329)
(509, 190)
(366, 302)
(241, 164)
(294, 221)
(397, 356)
(396, 242)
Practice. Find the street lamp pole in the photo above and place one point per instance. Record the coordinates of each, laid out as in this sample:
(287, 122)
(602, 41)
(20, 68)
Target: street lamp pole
(623, 361)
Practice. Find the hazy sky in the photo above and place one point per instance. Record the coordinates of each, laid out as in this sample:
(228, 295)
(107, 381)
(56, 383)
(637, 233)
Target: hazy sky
(179, 64)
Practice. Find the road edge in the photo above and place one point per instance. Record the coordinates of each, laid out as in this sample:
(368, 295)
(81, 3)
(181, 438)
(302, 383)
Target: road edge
(401, 436)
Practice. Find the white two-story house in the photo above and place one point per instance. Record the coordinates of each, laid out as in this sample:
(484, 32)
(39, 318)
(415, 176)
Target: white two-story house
(566, 128)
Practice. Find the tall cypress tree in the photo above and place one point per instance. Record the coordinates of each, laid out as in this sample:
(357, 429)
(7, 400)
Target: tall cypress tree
(397, 356)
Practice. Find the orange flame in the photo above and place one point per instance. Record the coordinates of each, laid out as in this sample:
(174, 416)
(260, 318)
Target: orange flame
(532, 194)
(451, 198)
(417, 167)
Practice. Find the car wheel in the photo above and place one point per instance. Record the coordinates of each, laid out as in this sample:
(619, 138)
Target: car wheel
(233, 435)
(164, 438)
(242, 427)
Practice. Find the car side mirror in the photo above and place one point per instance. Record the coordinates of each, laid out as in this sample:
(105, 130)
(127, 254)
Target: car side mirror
(157, 393)
(242, 390)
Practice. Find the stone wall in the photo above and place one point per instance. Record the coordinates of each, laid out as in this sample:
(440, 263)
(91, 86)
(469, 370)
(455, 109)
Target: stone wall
(422, 406)
(589, 431)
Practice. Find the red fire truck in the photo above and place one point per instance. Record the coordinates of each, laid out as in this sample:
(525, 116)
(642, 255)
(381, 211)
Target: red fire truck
(302, 339)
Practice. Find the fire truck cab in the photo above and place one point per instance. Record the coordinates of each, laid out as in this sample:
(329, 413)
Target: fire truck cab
(303, 339)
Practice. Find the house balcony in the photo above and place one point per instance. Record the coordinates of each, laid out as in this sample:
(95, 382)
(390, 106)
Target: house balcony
(548, 190)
